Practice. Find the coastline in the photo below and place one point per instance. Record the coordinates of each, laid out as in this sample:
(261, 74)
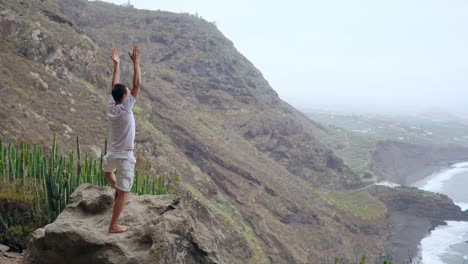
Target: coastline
(437, 246)
(446, 244)
(422, 174)
(407, 231)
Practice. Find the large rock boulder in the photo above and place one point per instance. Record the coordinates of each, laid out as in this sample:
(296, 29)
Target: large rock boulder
(163, 229)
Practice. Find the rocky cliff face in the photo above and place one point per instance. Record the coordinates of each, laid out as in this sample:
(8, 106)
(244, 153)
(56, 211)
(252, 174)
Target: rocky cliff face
(402, 162)
(204, 109)
(412, 214)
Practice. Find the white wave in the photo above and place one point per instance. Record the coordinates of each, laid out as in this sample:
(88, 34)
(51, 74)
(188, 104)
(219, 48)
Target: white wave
(463, 205)
(436, 181)
(460, 165)
(441, 239)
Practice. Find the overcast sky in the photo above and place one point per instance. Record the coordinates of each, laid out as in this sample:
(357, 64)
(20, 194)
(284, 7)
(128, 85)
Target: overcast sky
(399, 55)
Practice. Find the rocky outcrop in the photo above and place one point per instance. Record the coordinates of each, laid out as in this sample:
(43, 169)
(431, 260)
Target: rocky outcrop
(437, 207)
(412, 214)
(163, 229)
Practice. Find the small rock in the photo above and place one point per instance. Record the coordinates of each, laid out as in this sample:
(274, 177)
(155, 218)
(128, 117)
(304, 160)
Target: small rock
(34, 75)
(43, 85)
(36, 35)
(66, 75)
(75, 53)
(8, 15)
(51, 71)
(4, 248)
(67, 128)
(12, 254)
(58, 55)
(38, 233)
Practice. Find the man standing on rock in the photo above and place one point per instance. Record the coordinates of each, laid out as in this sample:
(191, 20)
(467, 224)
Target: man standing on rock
(122, 137)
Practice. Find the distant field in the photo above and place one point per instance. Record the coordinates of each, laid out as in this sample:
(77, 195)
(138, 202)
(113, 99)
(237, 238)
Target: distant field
(354, 137)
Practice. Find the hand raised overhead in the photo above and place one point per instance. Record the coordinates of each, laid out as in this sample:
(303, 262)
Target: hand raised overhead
(115, 55)
(135, 54)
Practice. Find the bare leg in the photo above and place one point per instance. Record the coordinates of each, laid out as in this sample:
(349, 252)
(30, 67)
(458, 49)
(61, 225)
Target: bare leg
(110, 177)
(119, 204)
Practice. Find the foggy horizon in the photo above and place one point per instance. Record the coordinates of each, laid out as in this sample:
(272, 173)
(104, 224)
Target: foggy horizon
(376, 108)
(396, 57)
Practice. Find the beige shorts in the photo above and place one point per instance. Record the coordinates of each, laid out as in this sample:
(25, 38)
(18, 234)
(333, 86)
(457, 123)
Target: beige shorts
(124, 163)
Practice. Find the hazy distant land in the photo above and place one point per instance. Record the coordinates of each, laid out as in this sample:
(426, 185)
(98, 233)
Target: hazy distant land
(354, 136)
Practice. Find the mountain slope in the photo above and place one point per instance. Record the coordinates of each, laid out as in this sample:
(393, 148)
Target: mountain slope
(204, 110)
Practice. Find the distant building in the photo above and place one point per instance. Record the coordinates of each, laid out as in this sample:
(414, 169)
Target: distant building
(128, 4)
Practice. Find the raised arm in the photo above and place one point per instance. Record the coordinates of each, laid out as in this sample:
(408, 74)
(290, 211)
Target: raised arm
(116, 59)
(135, 56)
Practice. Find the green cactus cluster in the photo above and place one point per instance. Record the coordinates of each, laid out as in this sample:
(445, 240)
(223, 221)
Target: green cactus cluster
(35, 186)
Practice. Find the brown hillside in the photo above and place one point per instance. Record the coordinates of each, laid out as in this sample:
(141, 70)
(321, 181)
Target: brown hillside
(204, 110)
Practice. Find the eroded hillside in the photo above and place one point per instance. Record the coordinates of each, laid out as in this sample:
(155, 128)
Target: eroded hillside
(204, 110)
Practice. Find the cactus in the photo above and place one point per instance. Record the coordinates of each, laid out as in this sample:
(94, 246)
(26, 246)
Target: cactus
(28, 177)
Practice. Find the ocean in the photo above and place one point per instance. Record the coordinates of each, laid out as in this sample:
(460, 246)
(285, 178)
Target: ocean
(447, 244)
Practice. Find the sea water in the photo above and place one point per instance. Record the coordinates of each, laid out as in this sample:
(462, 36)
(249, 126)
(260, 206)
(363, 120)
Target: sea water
(447, 244)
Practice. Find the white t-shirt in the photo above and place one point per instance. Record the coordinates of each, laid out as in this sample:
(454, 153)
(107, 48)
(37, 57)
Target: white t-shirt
(121, 124)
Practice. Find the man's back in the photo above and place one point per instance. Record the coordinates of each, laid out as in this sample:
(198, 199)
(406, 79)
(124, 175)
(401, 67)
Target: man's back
(121, 124)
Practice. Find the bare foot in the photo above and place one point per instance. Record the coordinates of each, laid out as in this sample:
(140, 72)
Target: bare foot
(118, 229)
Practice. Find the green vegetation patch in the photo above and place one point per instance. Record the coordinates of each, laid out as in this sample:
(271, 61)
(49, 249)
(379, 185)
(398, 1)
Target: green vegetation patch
(136, 110)
(20, 92)
(358, 203)
(35, 186)
(424, 193)
(89, 41)
(88, 85)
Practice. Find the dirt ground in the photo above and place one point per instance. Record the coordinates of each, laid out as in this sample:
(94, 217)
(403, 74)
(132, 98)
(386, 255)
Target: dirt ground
(5, 260)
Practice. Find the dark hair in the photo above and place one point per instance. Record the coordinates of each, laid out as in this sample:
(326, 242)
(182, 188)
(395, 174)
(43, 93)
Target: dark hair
(118, 91)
